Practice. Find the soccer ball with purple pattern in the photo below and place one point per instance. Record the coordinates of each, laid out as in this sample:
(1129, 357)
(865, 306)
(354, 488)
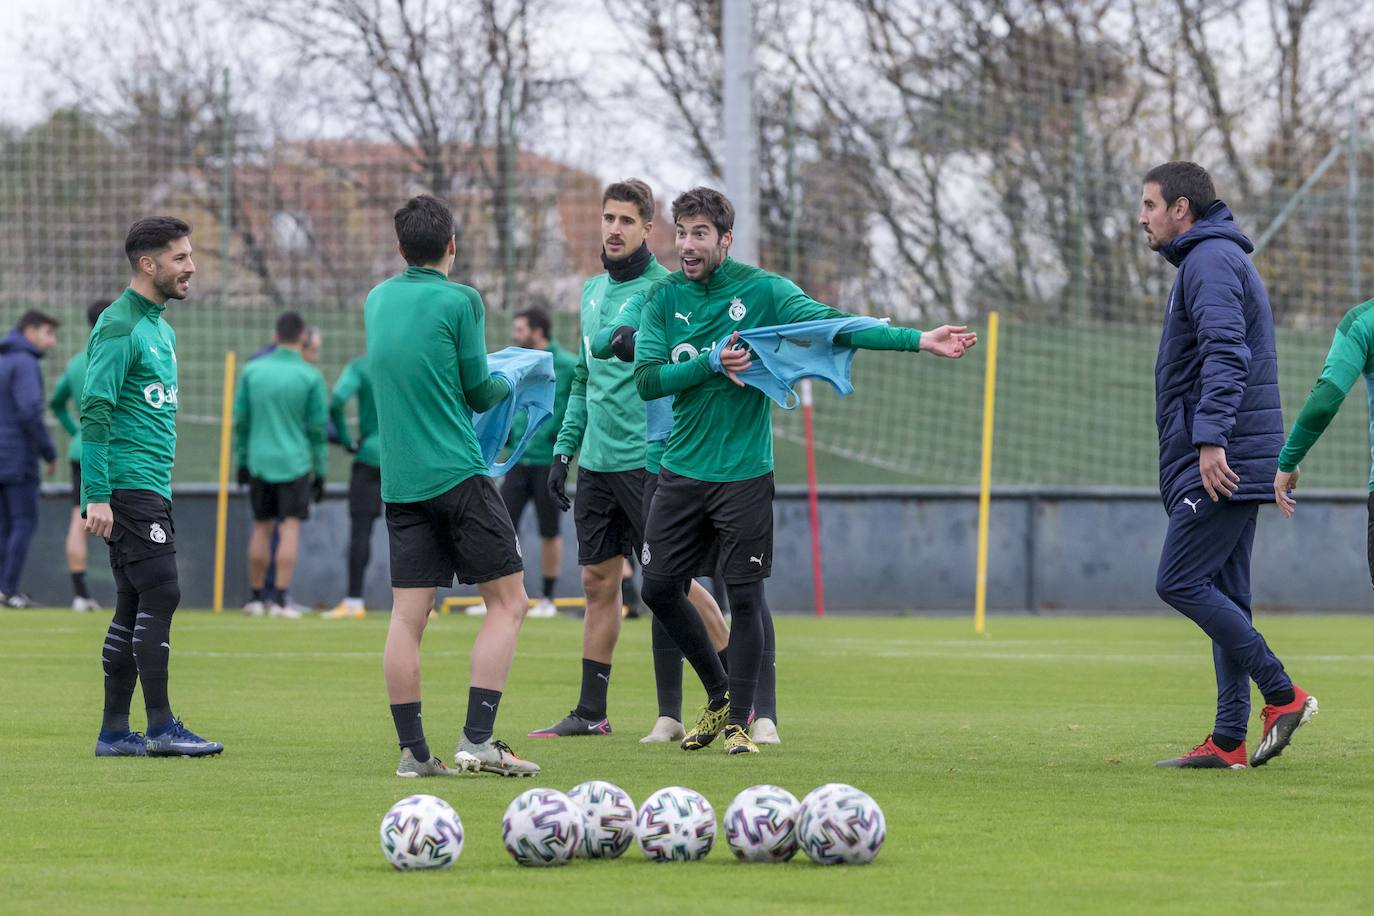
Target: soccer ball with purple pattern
(422, 831)
(542, 827)
(760, 824)
(839, 825)
(608, 826)
(676, 825)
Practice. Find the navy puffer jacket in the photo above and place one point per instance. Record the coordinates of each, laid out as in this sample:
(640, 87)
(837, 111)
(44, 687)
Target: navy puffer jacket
(1217, 375)
(23, 437)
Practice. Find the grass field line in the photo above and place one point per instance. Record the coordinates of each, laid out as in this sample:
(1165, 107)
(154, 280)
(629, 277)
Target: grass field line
(1189, 658)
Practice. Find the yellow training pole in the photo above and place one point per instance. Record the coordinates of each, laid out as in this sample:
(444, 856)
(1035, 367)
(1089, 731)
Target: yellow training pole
(980, 601)
(222, 510)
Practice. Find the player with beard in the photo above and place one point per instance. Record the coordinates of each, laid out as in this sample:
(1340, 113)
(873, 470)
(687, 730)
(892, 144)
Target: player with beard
(128, 443)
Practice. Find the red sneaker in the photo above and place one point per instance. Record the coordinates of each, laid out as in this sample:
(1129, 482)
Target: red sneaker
(1207, 756)
(1279, 724)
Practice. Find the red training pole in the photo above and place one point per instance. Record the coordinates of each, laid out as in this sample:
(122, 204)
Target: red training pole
(817, 577)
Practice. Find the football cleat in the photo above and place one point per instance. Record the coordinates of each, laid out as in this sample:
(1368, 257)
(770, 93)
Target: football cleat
(179, 741)
(764, 731)
(1207, 756)
(20, 602)
(284, 611)
(1279, 724)
(491, 757)
(129, 744)
(666, 729)
(737, 741)
(410, 768)
(543, 609)
(255, 609)
(709, 724)
(343, 611)
(85, 605)
(573, 725)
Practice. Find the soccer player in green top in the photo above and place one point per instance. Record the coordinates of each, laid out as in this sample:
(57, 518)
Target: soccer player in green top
(604, 427)
(528, 481)
(1351, 356)
(69, 388)
(128, 443)
(280, 423)
(426, 351)
(364, 482)
(715, 488)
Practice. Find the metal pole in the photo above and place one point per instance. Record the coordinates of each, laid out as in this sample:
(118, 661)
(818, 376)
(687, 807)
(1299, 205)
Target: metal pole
(1352, 204)
(508, 227)
(1080, 210)
(737, 90)
(227, 185)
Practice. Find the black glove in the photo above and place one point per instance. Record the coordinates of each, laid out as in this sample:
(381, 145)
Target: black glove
(245, 478)
(317, 489)
(558, 481)
(623, 343)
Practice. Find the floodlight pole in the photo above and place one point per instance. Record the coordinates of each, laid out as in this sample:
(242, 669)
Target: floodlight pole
(741, 156)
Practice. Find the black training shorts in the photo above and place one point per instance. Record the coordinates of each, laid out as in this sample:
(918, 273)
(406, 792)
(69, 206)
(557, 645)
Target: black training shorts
(530, 482)
(707, 570)
(609, 513)
(464, 531)
(142, 527)
(76, 483)
(273, 502)
(689, 518)
(365, 491)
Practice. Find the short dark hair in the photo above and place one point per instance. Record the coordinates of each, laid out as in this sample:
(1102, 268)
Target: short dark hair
(94, 309)
(153, 234)
(423, 227)
(707, 202)
(33, 318)
(1184, 179)
(537, 318)
(290, 327)
(631, 191)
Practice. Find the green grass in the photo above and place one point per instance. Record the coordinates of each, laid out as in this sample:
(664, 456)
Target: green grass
(1015, 773)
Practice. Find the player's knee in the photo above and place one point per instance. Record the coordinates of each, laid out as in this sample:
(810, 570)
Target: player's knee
(747, 599)
(658, 593)
(599, 580)
(155, 581)
(1174, 592)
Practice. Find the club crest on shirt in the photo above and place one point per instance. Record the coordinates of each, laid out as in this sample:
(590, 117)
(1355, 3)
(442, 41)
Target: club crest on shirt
(737, 310)
(156, 534)
(645, 556)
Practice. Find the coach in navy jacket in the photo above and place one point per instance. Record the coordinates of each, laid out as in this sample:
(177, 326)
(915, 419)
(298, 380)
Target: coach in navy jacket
(1220, 431)
(23, 441)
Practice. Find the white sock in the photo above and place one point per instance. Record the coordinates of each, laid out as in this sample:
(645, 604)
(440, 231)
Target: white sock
(353, 604)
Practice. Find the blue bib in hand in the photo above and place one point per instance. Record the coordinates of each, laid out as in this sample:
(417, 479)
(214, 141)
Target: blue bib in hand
(532, 385)
(785, 353)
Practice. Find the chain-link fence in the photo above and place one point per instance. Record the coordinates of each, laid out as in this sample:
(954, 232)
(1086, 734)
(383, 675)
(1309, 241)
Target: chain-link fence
(928, 162)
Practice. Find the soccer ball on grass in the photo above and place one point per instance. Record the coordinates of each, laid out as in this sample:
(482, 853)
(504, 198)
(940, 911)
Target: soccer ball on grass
(422, 831)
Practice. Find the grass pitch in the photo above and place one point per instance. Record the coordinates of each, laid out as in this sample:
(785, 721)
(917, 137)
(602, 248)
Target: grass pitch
(1015, 772)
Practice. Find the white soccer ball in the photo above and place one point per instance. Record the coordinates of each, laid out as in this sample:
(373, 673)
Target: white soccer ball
(760, 824)
(542, 827)
(840, 825)
(676, 825)
(422, 831)
(608, 819)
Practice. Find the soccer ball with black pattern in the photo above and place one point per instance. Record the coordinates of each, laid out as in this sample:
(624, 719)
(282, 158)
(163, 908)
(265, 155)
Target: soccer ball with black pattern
(608, 824)
(760, 824)
(840, 825)
(422, 831)
(676, 825)
(542, 827)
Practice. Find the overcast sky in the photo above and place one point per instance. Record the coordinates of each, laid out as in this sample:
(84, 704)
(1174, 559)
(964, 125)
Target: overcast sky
(581, 31)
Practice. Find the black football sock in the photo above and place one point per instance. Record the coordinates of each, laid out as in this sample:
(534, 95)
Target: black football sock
(79, 585)
(550, 586)
(1281, 699)
(410, 731)
(117, 658)
(596, 680)
(158, 597)
(724, 656)
(482, 706)
(667, 670)
(257, 594)
(667, 600)
(746, 648)
(766, 698)
(1227, 744)
(359, 552)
